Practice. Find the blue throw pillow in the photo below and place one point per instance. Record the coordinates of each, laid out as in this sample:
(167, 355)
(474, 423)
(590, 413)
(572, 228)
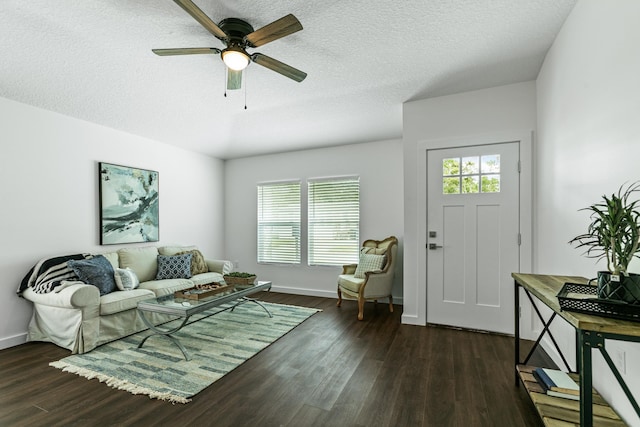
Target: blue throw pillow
(96, 271)
(174, 267)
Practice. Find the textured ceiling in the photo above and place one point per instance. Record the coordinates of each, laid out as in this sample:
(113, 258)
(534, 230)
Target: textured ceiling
(92, 59)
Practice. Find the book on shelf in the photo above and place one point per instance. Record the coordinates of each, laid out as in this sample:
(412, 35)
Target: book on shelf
(563, 395)
(557, 383)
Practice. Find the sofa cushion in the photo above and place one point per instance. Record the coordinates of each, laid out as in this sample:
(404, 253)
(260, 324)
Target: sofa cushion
(143, 261)
(350, 283)
(96, 271)
(166, 286)
(112, 257)
(173, 250)
(368, 262)
(126, 279)
(206, 278)
(174, 267)
(118, 301)
(198, 264)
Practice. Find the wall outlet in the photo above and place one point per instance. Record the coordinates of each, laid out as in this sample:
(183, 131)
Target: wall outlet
(621, 361)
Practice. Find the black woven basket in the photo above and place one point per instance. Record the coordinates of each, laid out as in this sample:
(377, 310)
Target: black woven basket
(595, 306)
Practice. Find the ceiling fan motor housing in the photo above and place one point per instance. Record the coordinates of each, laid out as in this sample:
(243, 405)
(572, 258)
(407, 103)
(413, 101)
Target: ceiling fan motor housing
(236, 29)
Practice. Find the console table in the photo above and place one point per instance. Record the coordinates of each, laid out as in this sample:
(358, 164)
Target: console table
(591, 332)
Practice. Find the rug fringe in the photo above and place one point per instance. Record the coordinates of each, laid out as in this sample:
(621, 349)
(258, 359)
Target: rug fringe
(118, 384)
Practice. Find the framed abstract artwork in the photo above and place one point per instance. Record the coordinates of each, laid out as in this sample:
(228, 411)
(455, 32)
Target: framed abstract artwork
(128, 205)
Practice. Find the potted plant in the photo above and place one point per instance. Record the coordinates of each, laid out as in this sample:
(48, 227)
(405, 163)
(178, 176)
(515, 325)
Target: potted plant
(614, 235)
(239, 278)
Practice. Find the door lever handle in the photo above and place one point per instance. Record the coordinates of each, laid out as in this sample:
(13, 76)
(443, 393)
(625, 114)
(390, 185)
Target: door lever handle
(433, 246)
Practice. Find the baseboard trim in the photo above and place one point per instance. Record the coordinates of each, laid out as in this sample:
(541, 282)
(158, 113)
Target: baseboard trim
(411, 320)
(306, 292)
(13, 341)
(317, 293)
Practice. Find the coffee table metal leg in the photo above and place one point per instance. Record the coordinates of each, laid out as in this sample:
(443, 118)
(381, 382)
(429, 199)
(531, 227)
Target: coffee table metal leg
(157, 331)
(245, 300)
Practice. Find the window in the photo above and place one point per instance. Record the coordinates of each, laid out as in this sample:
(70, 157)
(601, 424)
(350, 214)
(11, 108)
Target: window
(279, 223)
(334, 221)
(475, 174)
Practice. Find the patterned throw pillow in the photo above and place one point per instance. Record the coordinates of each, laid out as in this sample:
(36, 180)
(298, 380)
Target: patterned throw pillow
(369, 262)
(174, 267)
(126, 279)
(96, 271)
(198, 264)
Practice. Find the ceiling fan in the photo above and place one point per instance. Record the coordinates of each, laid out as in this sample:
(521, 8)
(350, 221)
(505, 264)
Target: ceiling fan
(238, 35)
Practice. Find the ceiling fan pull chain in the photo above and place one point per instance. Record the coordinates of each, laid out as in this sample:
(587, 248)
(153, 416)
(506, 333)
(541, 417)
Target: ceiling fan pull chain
(226, 77)
(245, 87)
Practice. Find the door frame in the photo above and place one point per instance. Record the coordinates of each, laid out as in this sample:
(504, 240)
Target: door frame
(525, 138)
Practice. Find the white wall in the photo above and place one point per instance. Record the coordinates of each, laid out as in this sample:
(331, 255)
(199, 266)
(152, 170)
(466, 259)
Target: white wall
(589, 144)
(500, 114)
(49, 196)
(379, 165)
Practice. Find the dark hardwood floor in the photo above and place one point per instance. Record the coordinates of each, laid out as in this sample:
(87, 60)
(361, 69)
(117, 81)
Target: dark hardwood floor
(332, 370)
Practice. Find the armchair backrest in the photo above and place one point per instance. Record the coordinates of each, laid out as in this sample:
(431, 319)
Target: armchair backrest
(388, 247)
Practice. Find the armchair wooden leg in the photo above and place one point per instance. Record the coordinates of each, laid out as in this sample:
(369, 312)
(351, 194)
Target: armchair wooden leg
(339, 297)
(360, 307)
(390, 303)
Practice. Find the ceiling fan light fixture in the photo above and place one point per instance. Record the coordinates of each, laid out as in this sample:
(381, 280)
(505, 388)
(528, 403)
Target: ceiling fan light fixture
(235, 58)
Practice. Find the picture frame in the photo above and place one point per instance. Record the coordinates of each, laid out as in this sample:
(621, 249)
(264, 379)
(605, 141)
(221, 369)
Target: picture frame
(129, 204)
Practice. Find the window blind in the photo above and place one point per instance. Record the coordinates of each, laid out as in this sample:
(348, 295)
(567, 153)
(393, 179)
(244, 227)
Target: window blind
(279, 223)
(334, 221)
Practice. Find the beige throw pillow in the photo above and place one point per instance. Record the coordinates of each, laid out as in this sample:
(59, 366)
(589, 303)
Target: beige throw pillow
(198, 264)
(369, 262)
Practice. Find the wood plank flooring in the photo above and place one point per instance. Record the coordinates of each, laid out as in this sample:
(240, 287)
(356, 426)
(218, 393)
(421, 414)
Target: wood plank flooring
(332, 370)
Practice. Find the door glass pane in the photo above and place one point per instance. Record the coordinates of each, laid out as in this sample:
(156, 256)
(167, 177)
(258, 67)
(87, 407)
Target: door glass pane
(491, 163)
(470, 184)
(450, 167)
(470, 165)
(450, 185)
(490, 183)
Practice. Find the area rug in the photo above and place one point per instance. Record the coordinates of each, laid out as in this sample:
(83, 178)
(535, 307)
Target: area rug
(217, 345)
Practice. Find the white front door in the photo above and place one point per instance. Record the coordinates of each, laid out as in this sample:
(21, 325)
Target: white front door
(473, 235)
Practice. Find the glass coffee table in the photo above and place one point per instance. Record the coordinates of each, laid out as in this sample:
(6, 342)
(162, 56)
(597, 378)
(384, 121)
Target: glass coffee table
(185, 308)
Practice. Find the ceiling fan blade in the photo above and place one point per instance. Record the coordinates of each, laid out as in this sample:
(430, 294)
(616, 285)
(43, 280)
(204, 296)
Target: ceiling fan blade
(186, 51)
(202, 18)
(278, 67)
(277, 29)
(234, 79)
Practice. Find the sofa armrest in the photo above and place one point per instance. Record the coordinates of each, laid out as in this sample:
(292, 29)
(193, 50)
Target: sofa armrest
(349, 268)
(221, 266)
(75, 295)
(378, 283)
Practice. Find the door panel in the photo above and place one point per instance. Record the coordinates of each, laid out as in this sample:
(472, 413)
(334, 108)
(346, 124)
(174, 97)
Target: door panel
(488, 265)
(453, 289)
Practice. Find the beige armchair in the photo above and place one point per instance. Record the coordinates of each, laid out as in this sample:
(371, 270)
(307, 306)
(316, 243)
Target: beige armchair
(372, 278)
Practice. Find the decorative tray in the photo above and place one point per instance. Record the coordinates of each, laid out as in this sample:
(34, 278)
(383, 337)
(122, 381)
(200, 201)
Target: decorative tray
(584, 299)
(203, 291)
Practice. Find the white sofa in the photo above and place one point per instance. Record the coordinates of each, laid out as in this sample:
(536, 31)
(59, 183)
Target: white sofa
(79, 319)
